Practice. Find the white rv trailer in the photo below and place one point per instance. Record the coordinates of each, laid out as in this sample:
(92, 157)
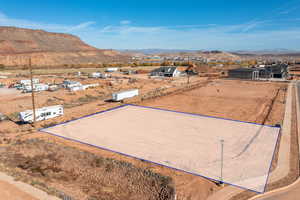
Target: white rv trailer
(112, 69)
(28, 82)
(36, 88)
(118, 96)
(53, 87)
(95, 75)
(83, 87)
(90, 85)
(76, 88)
(104, 76)
(69, 84)
(41, 113)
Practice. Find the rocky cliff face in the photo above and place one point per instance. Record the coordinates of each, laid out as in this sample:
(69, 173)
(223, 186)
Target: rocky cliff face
(17, 45)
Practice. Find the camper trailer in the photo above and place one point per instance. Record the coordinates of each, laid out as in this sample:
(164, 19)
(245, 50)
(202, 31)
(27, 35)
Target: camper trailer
(95, 75)
(36, 87)
(118, 96)
(28, 82)
(41, 113)
(54, 87)
(112, 69)
(69, 84)
(83, 87)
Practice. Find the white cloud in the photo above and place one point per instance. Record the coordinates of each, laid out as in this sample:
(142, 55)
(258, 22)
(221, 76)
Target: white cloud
(82, 26)
(252, 25)
(7, 21)
(250, 35)
(125, 22)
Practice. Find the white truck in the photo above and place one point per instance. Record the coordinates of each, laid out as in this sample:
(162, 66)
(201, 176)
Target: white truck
(119, 96)
(41, 113)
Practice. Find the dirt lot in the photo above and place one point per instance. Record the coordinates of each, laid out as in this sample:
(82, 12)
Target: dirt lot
(241, 100)
(194, 146)
(232, 99)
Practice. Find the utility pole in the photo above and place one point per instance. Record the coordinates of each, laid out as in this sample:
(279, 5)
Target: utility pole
(188, 75)
(222, 159)
(32, 92)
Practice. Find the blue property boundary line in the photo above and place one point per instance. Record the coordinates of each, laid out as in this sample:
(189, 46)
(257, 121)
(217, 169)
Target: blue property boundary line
(200, 115)
(161, 109)
(186, 113)
(274, 153)
(141, 159)
(90, 115)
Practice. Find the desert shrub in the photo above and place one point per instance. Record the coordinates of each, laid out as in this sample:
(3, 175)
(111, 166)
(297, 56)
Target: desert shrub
(97, 177)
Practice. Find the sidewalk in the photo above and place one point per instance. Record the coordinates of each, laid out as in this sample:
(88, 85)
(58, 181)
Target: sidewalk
(15, 190)
(283, 164)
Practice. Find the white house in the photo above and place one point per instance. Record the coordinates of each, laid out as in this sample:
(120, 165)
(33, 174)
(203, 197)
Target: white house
(166, 72)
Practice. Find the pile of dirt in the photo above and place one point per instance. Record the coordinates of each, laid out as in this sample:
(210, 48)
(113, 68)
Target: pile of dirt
(83, 175)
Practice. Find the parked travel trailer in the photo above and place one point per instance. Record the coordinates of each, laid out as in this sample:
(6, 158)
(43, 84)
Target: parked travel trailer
(112, 69)
(90, 85)
(41, 113)
(95, 75)
(76, 88)
(36, 87)
(69, 84)
(28, 82)
(54, 87)
(118, 96)
(83, 87)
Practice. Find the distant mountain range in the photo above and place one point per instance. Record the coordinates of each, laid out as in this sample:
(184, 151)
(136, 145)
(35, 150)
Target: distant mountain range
(279, 51)
(157, 51)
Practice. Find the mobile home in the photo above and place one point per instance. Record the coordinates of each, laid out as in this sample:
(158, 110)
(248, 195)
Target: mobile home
(118, 96)
(41, 113)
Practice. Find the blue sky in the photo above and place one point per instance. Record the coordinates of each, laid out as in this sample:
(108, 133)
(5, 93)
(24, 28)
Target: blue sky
(168, 24)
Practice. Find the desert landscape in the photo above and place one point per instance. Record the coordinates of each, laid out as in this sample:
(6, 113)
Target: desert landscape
(80, 122)
(231, 99)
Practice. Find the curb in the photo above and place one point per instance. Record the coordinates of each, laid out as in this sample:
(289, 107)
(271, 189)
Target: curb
(298, 129)
(276, 190)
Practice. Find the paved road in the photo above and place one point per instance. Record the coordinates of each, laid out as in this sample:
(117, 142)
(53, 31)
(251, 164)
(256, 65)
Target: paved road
(293, 193)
